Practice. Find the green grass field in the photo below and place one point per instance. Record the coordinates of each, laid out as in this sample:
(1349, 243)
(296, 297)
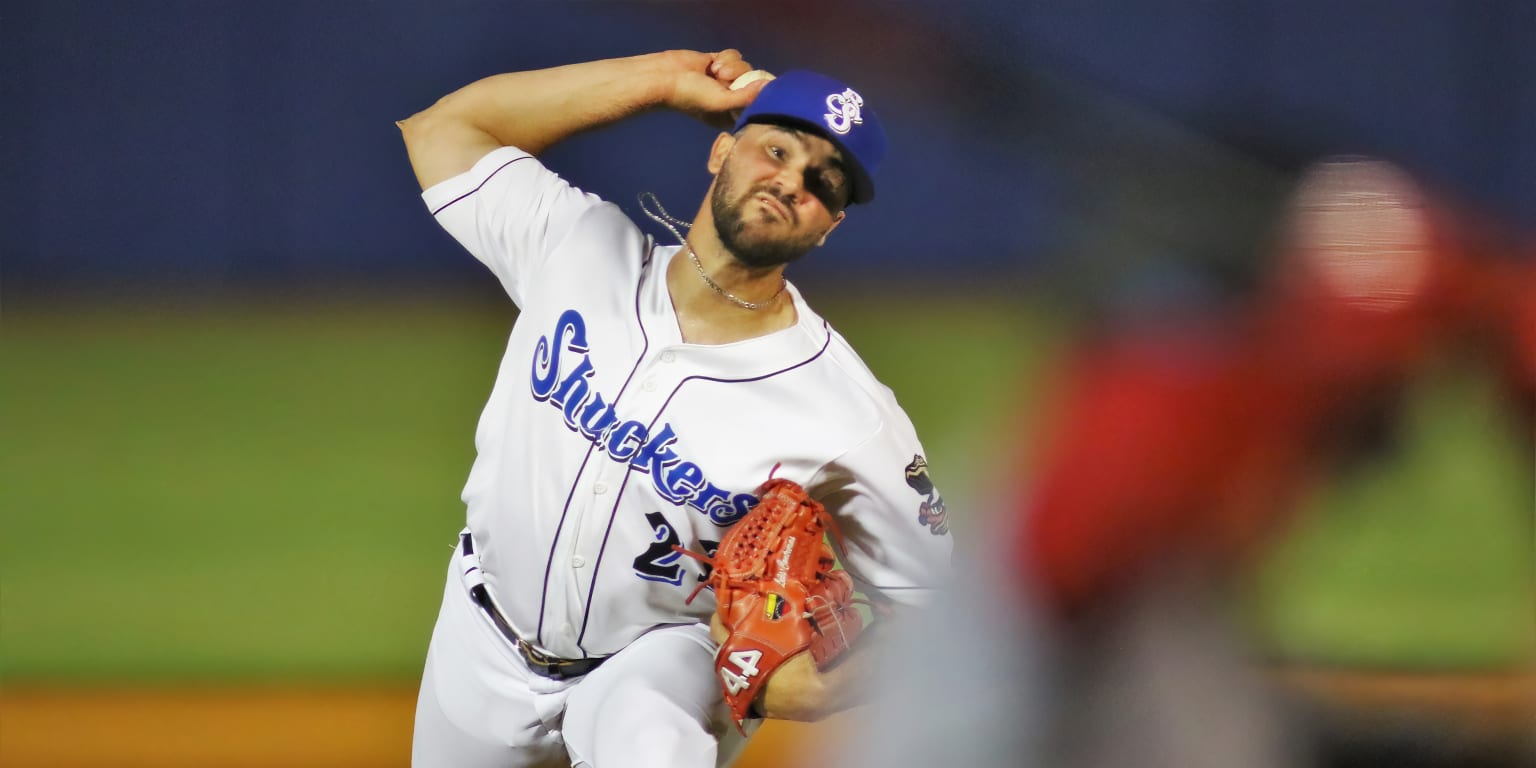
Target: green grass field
(272, 493)
(1423, 558)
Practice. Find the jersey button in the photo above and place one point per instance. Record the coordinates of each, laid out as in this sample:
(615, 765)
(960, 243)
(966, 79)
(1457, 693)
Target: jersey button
(578, 561)
(600, 488)
(668, 356)
(648, 385)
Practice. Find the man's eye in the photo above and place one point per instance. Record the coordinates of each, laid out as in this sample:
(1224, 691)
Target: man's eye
(777, 152)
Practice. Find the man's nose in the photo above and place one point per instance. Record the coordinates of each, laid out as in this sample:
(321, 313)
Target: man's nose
(788, 184)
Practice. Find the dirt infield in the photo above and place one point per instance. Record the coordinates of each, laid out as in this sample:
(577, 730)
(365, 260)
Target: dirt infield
(260, 729)
(365, 728)
(1495, 706)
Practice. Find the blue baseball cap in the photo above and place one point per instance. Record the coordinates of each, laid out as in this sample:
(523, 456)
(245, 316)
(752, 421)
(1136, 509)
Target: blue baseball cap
(829, 108)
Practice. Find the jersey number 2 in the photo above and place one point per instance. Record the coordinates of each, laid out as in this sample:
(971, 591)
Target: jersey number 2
(659, 562)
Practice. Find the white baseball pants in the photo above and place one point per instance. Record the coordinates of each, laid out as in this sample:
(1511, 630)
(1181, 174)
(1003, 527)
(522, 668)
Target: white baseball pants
(655, 703)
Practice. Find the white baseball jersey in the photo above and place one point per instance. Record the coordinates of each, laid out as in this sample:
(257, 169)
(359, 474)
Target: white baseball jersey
(607, 439)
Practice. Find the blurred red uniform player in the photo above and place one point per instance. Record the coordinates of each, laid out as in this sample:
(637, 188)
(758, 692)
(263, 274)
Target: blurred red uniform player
(1175, 449)
(1184, 443)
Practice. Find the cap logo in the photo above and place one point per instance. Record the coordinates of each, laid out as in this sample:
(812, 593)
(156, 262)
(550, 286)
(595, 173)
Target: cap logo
(844, 114)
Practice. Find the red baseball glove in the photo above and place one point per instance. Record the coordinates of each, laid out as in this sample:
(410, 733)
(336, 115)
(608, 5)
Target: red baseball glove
(777, 592)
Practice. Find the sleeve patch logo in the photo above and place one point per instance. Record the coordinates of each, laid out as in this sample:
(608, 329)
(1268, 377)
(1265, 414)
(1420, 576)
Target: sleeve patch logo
(931, 512)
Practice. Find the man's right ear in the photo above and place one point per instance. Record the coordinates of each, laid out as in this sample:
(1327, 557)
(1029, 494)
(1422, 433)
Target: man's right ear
(721, 149)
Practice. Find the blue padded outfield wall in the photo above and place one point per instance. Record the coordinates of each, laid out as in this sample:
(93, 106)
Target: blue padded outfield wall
(194, 146)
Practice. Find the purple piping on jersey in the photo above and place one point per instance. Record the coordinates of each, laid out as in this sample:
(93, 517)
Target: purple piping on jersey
(549, 564)
(618, 499)
(554, 543)
(802, 363)
(481, 184)
(587, 613)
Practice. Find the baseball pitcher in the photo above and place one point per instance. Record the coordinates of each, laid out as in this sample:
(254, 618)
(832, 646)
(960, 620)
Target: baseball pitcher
(675, 439)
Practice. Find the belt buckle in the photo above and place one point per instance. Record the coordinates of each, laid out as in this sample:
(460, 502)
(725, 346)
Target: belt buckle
(553, 667)
(546, 665)
(533, 654)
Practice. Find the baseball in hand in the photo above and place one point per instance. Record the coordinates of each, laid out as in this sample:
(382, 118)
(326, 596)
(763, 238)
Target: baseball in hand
(749, 78)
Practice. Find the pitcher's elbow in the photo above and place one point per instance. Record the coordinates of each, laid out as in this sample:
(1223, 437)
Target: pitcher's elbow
(413, 127)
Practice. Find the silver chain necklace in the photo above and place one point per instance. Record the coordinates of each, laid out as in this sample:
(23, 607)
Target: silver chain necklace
(660, 216)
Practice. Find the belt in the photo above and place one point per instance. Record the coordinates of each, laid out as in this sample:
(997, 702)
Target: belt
(542, 664)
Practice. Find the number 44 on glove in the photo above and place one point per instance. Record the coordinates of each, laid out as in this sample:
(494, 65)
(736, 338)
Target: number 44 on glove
(777, 592)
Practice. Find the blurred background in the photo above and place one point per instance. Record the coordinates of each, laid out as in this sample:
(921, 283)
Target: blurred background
(240, 366)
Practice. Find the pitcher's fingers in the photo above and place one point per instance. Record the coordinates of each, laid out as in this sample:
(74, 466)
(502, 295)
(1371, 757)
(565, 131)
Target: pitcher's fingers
(725, 63)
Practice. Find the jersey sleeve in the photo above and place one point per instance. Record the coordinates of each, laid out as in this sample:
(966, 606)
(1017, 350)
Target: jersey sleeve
(511, 213)
(896, 539)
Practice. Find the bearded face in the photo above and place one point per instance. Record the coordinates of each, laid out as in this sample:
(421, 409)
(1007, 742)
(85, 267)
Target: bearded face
(778, 193)
(752, 234)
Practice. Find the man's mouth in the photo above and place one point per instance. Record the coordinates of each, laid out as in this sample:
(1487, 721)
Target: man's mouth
(775, 206)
